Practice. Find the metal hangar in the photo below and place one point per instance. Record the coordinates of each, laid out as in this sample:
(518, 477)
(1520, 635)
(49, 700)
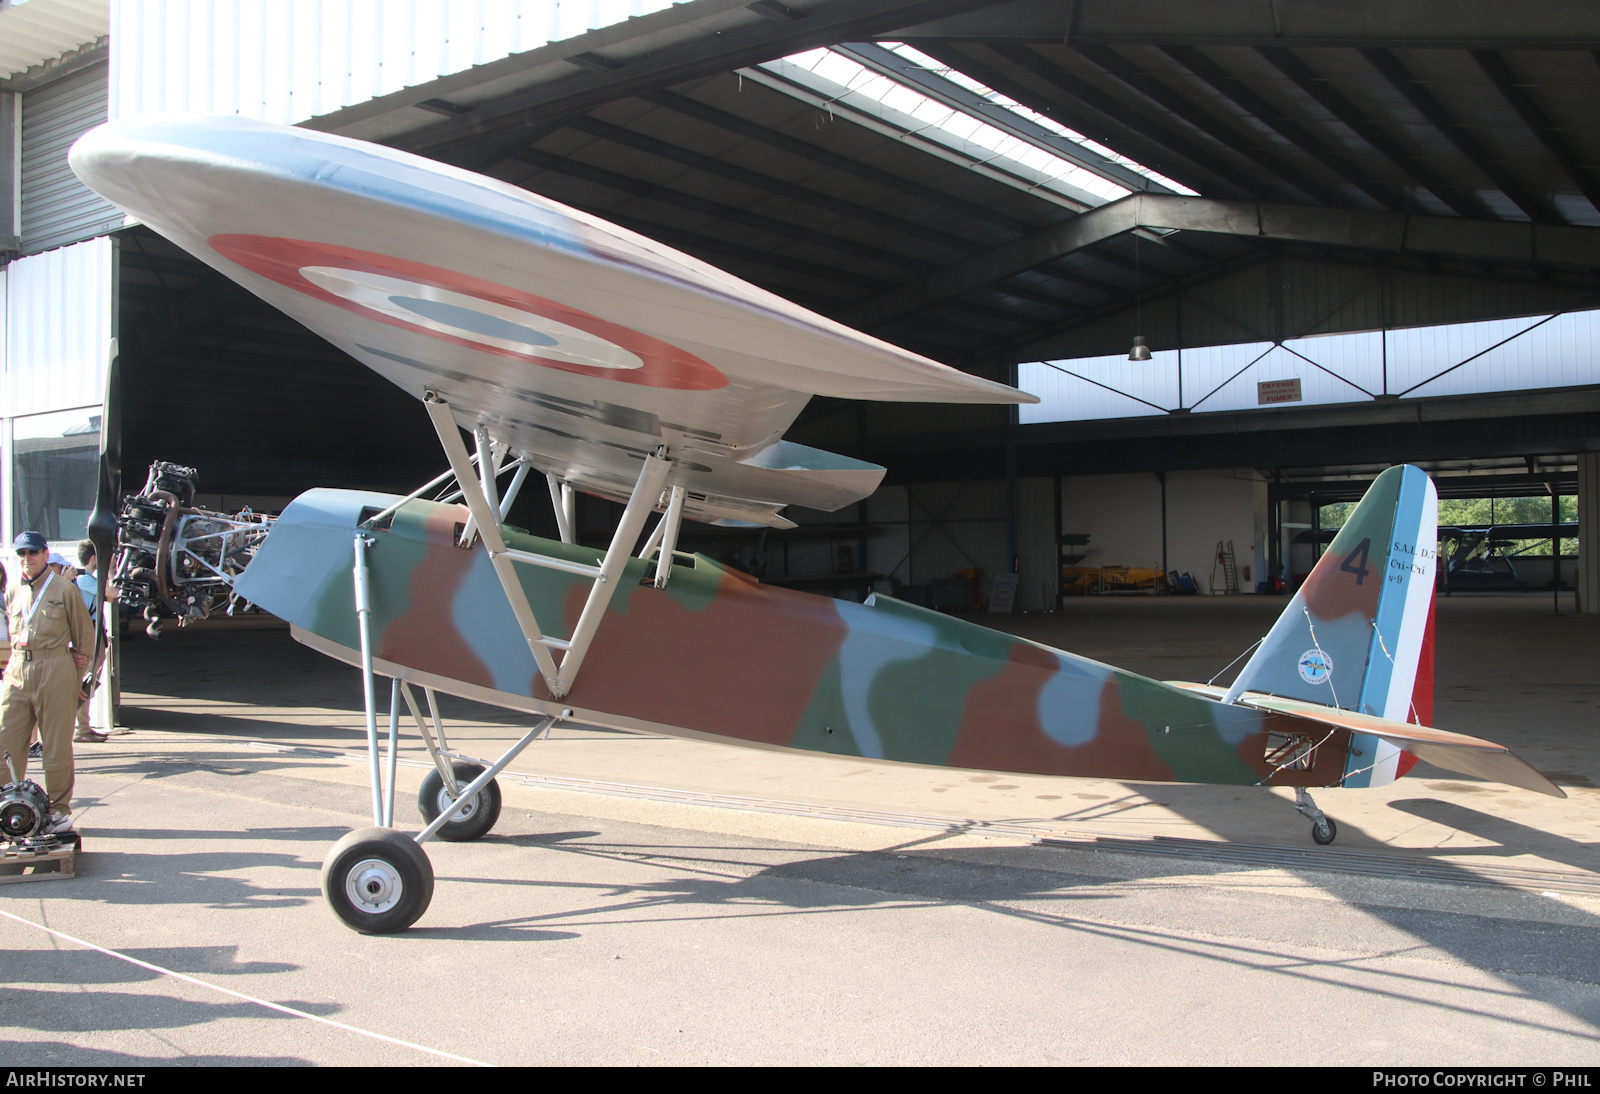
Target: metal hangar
(1345, 235)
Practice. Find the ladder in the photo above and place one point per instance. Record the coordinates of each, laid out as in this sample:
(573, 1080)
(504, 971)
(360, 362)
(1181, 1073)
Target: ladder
(1225, 561)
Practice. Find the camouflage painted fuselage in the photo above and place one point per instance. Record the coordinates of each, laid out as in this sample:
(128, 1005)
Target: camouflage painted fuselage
(717, 654)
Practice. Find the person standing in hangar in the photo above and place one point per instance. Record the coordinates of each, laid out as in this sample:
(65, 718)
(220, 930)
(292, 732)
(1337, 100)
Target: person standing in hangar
(50, 632)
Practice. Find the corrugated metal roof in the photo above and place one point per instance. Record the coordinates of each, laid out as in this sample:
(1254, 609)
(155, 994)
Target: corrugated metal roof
(296, 59)
(35, 31)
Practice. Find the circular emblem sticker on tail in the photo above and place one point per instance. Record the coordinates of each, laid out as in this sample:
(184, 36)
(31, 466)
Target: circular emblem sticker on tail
(1315, 667)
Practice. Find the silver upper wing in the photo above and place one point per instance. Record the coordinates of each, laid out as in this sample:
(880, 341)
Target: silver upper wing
(573, 342)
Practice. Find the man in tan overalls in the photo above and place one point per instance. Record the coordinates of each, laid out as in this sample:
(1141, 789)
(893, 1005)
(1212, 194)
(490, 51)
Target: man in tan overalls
(46, 616)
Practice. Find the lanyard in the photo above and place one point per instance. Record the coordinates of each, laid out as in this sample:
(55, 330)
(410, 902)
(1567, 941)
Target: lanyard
(38, 598)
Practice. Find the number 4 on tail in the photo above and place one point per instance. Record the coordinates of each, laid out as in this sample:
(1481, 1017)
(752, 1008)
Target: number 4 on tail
(1356, 563)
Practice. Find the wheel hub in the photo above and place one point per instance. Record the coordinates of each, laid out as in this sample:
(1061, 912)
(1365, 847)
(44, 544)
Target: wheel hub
(373, 885)
(463, 812)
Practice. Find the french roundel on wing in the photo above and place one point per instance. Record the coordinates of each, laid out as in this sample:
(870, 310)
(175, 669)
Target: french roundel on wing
(469, 311)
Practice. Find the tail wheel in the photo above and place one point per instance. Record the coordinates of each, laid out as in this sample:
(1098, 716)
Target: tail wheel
(470, 820)
(377, 880)
(1324, 831)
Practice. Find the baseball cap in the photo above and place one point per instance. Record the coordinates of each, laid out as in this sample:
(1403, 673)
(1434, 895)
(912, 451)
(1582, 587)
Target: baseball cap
(58, 559)
(32, 541)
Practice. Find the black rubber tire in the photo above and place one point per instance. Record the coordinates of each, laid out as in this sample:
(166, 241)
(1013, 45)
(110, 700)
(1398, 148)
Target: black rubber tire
(1324, 833)
(485, 809)
(378, 853)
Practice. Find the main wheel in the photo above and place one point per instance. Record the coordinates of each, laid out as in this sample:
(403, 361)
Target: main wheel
(1325, 832)
(472, 819)
(377, 880)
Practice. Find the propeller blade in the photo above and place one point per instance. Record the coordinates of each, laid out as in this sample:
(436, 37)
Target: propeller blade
(103, 521)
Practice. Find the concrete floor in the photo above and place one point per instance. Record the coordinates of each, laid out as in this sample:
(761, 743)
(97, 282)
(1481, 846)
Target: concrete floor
(646, 900)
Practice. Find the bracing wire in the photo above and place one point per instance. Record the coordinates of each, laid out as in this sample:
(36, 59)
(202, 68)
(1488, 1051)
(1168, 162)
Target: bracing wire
(1411, 702)
(1326, 659)
(1236, 660)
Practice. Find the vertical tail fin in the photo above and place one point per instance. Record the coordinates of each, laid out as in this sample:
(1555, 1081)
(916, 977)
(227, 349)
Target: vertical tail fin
(1354, 636)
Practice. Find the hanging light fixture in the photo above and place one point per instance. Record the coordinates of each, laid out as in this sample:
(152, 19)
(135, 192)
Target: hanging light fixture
(1140, 351)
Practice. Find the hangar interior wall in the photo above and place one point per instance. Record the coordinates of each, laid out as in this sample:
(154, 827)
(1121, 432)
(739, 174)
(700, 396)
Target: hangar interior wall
(926, 531)
(1122, 515)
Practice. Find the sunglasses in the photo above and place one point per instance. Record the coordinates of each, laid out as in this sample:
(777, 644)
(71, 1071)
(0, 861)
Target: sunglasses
(24, 552)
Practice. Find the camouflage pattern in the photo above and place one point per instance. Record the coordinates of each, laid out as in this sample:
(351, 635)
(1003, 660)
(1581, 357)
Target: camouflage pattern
(717, 654)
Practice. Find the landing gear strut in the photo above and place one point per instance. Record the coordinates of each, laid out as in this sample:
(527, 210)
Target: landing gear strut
(1323, 830)
(378, 879)
(472, 818)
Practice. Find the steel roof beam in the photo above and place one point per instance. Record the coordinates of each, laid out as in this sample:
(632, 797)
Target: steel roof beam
(1152, 141)
(756, 179)
(953, 95)
(1178, 104)
(1003, 315)
(822, 157)
(693, 242)
(1505, 81)
(825, 96)
(1398, 233)
(1413, 24)
(1078, 277)
(1400, 78)
(668, 196)
(607, 79)
(1028, 292)
(1234, 90)
(1303, 76)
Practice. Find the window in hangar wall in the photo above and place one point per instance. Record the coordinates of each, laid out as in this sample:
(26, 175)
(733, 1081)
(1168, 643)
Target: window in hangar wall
(1533, 352)
(55, 472)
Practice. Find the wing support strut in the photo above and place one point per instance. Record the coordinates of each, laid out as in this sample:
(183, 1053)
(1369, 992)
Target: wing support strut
(665, 536)
(564, 502)
(488, 509)
(487, 519)
(479, 492)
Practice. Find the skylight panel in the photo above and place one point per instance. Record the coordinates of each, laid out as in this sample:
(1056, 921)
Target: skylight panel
(955, 128)
(956, 76)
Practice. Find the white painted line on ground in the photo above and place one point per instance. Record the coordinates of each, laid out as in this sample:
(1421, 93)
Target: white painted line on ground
(241, 995)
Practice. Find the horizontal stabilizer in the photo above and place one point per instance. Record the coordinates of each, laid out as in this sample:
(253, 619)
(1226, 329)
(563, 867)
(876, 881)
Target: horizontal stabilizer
(1452, 751)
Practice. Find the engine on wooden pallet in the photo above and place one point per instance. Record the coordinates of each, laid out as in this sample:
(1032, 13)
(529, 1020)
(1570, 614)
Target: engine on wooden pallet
(24, 808)
(175, 561)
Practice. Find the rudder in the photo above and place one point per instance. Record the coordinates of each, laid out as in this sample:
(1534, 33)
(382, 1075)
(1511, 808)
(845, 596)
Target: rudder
(1357, 633)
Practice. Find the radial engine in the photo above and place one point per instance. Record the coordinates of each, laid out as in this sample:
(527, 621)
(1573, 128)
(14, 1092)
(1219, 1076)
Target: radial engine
(175, 561)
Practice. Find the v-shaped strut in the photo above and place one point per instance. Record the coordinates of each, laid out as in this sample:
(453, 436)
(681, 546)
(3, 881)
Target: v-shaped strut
(478, 491)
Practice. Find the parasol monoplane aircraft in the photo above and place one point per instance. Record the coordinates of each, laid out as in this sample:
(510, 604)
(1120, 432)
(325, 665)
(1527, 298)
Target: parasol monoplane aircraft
(605, 362)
